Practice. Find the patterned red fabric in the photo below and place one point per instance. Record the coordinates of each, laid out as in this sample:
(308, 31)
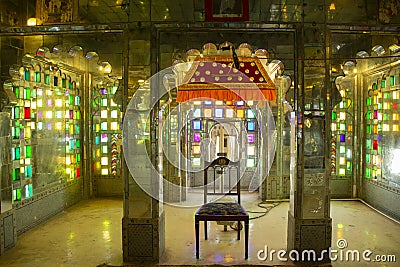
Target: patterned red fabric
(214, 77)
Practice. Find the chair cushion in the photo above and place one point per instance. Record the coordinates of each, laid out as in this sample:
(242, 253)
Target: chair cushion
(217, 208)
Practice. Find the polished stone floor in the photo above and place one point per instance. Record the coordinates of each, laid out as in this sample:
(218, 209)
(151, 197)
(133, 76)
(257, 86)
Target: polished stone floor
(89, 234)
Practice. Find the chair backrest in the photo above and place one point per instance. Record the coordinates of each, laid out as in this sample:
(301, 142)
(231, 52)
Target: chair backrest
(224, 178)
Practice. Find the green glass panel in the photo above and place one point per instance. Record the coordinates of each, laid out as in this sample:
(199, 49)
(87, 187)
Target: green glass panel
(334, 115)
(15, 113)
(47, 78)
(19, 195)
(38, 77)
(368, 158)
(16, 91)
(368, 173)
(28, 191)
(77, 129)
(27, 75)
(348, 165)
(71, 99)
(33, 93)
(104, 126)
(28, 152)
(78, 143)
(342, 149)
(368, 144)
(104, 102)
(27, 93)
(16, 174)
(383, 83)
(17, 132)
(386, 95)
(28, 171)
(386, 117)
(369, 129)
(392, 80)
(379, 105)
(71, 144)
(69, 85)
(380, 150)
(78, 157)
(77, 100)
(97, 140)
(369, 101)
(64, 83)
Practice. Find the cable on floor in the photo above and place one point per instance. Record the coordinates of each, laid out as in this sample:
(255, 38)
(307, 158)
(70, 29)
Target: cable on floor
(234, 225)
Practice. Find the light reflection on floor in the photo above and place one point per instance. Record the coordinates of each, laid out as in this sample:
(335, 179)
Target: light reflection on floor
(89, 234)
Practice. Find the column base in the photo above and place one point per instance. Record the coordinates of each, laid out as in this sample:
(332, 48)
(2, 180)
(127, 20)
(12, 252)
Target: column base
(143, 239)
(310, 238)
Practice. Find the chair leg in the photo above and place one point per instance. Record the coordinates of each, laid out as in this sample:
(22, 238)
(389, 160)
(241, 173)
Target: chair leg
(238, 230)
(196, 225)
(246, 239)
(205, 230)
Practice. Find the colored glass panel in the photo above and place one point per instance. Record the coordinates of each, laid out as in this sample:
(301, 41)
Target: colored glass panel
(196, 137)
(250, 138)
(375, 145)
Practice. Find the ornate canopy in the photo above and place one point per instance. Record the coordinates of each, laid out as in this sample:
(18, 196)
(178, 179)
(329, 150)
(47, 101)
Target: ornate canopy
(214, 77)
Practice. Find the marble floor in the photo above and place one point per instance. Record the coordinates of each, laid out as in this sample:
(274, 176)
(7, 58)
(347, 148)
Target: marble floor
(89, 234)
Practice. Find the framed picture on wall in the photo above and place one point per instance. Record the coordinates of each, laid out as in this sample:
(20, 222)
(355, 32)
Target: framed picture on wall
(56, 11)
(226, 10)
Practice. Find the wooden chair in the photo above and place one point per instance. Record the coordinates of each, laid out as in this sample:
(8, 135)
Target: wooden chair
(222, 211)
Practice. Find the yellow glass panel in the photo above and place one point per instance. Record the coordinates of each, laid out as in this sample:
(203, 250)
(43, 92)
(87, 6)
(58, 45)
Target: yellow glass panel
(333, 127)
(395, 128)
(208, 113)
(349, 128)
(58, 126)
(219, 103)
(97, 166)
(27, 132)
(342, 171)
(386, 105)
(104, 171)
(197, 103)
(342, 161)
(240, 113)
(395, 116)
(396, 95)
(98, 152)
(196, 150)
